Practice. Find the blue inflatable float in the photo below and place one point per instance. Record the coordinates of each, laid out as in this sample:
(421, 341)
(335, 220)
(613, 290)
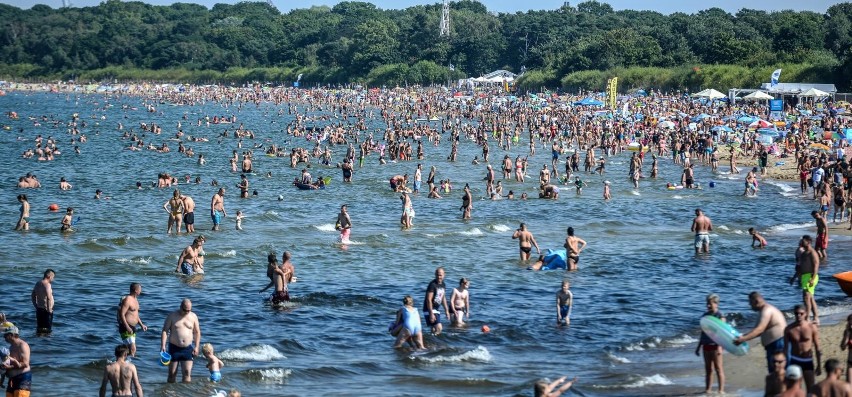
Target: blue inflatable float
(555, 259)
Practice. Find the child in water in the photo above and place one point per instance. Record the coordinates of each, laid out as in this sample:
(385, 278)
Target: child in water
(756, 238)
(214, 364)
(239, 220)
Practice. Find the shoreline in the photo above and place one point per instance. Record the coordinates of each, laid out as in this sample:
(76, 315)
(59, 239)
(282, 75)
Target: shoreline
(747, 373)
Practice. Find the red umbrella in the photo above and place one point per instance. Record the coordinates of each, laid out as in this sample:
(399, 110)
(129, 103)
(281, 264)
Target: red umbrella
(761, 124)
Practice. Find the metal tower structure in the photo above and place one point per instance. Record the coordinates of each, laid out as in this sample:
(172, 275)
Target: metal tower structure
(445, 19)
(66, 3)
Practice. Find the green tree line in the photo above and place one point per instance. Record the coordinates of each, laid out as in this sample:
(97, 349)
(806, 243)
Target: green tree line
(572, 46)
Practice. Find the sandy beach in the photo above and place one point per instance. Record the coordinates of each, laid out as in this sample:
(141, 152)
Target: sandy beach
(749, 372)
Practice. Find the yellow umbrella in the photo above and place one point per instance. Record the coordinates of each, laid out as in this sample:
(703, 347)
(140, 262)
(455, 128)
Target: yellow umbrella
(819, 146)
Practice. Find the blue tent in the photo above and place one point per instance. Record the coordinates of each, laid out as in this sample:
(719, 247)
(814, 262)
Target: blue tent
(589, 102)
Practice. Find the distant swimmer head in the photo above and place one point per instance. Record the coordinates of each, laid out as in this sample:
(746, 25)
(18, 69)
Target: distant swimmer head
(280, 197)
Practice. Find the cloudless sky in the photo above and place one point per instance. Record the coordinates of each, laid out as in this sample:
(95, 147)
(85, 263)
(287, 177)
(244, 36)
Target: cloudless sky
(663, 6)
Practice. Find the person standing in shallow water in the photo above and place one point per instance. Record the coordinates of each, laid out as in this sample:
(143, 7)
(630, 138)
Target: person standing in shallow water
(23, 221)
(712, 351)
(217, 208)
(343, 224)
(42, 298)
(702, 226)
(435, 299)
(525, 241)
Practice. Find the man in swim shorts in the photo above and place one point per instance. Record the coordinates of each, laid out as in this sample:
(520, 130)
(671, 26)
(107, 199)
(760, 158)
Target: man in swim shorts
(128, 317)
(770, 327)
(434, 300)
(17, 365)
(42, 298)
(807, 270)
(564, 302)
(183, 334)
(802, 339)
(702, 226)
(188, 213)
(122, 376)
(217, 208)
(188, 262)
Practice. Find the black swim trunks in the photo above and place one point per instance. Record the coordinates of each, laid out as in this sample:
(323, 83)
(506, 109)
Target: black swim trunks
(526, 250)
(181, 353)
(189, 218)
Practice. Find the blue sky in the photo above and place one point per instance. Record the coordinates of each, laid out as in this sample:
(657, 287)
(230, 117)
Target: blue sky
(664, 6)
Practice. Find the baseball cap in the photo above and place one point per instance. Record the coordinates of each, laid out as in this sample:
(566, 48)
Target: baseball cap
(794, 372)
(10, 330)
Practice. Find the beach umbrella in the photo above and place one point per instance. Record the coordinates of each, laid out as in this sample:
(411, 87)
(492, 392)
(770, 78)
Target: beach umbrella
(760, 123)
(758, 96)
(700, 117)
(746, 119)
(819, 146)
(666, 124)
(723, 128)
(813, 92)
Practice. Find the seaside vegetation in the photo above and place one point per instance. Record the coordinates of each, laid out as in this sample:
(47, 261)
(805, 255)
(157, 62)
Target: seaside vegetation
(355, 42)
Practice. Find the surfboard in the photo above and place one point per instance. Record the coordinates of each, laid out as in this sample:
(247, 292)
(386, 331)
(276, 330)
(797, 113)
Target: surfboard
(723, 334)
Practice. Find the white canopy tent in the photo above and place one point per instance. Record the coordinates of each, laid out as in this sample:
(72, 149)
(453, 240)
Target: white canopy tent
(758, 96)
(813, 92)
(709, 94)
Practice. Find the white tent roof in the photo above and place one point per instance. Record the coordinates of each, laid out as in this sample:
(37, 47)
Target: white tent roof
(758, 96)
(814, 93)
(709, 94)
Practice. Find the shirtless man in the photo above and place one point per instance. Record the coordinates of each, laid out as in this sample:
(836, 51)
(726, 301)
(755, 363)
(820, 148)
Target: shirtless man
(246, 165)
(775, 381)
(467, 202)
(188, 213)
(770, 327)
(525, 241)
(807, 271)
(802, 338)
(573, 246)
(17, 365)
(64, 185)
(42, 298)
(217, 208)
(128, 317)
(121, 376)
(175, 209)
(832, 386)
(821, 243)
(188, 262)
(702, 226)
(183, 334)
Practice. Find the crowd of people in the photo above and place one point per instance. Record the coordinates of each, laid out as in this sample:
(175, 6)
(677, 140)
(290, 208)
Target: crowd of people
(575, 134)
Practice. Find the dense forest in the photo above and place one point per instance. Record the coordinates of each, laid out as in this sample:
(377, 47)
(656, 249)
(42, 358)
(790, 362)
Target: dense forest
(573, 46)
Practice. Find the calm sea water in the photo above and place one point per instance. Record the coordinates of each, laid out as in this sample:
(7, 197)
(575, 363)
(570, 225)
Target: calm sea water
(638, 293)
